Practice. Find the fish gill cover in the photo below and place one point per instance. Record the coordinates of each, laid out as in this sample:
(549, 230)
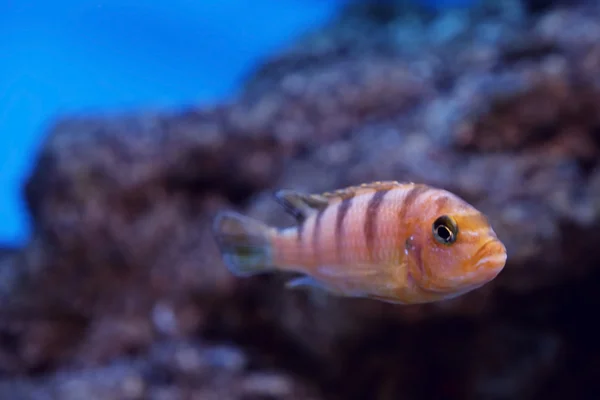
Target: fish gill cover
(121, 293)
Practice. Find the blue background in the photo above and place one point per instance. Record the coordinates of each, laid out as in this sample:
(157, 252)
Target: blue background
(64, 56)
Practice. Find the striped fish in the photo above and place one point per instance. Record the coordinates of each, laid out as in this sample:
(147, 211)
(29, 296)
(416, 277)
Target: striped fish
(401, 243)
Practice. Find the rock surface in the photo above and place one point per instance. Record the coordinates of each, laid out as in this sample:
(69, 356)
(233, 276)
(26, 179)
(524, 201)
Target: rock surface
(496, 104)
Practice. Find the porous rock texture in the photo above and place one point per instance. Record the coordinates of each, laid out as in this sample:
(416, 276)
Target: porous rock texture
(121, 292)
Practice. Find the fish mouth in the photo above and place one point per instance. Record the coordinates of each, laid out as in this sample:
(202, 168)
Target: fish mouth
(489, 262)
(491, 258)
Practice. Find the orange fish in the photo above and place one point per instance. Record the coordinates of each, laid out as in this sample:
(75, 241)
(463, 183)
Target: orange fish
(401, 243)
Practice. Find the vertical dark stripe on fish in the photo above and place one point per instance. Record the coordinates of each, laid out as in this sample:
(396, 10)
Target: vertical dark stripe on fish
(342, 210)
(409, 199)
(299, 232)
(415, 248)
(317, 234)
(299, 245)
(371, 219)
(441, 202)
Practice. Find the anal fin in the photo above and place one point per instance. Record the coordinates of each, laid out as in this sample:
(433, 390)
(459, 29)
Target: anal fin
(313, 285)
(305, 282)
(318, 292)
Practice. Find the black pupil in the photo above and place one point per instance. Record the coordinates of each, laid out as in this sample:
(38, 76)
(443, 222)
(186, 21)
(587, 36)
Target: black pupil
(444, 233)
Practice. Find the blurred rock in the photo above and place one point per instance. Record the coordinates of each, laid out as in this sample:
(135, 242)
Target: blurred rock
(493, 103)
(168, 371)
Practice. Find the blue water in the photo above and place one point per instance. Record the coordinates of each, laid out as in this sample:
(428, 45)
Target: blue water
(63, 56)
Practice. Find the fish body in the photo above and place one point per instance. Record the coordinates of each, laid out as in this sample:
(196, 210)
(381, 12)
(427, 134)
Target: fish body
(396, 242)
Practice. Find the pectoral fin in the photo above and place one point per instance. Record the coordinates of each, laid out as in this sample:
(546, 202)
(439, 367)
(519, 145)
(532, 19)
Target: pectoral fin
(314, 286)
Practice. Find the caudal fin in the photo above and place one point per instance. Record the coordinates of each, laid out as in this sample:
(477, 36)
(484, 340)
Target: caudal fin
(244, 242)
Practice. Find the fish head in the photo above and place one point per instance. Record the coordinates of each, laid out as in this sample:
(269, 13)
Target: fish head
(454, 248)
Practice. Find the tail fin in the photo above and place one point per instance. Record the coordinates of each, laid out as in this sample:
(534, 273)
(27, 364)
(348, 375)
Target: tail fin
(244, 242)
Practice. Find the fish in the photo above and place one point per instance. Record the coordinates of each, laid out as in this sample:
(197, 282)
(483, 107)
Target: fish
(391, 241)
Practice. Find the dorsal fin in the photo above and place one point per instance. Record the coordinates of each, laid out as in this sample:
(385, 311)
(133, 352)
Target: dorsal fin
(356, 190)
(300, 205)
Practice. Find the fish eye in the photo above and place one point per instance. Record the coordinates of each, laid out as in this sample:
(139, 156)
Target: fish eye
(445, 230)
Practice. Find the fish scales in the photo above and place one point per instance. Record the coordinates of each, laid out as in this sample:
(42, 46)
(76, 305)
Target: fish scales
(324, 237)
(293, 247)
(351, 238)
(363, 228)
(340, 228)
(391, 228)
(327, 238)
